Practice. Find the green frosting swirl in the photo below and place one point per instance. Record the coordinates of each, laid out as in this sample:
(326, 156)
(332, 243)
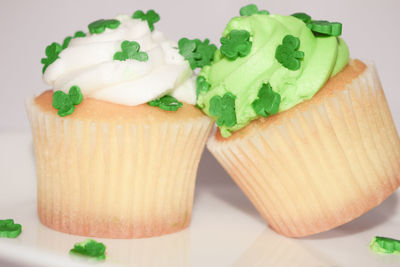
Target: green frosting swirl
(324, 56)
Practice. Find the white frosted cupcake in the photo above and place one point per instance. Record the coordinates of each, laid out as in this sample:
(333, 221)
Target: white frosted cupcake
(304, 131)
(118, 138)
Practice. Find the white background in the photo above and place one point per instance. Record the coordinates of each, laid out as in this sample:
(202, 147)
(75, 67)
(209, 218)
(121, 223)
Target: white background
(371, 28)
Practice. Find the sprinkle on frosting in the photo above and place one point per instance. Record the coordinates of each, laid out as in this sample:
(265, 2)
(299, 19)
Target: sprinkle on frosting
(150, 16)
(267, 102)
(385, 245)
(252, 9)
(168, 103)
(52, 52)
(302, 16)
(133, 78)
(236, 44)
(9, 229)
(224, 109)
(325, 27)
(90, 248)
(198, 53)
(320, 27)
(130, 50)
(68, 39)
(65, 103)
(99, 26)
(201, 85)
(287, 53)
(295, 61)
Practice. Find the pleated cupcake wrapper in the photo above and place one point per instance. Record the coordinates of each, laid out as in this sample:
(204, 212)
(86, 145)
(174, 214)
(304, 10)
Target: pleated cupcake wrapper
(320, 167)
(116, 181)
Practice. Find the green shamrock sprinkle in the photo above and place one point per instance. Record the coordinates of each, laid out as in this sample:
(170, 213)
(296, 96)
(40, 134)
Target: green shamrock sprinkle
(224, 109)
(65, 103)
(100, 26)
(302, 16)
(385, 245)
(150, 16)
(287, 53)
(320, 27)
(267, 102)
(68, 39)
(325, 27)
(198, 53)
(9, 229)
(130, 50)
(52, 52)
(167, 102)
(252, 9)
(201, 85)
(90, 248)
(237, 43)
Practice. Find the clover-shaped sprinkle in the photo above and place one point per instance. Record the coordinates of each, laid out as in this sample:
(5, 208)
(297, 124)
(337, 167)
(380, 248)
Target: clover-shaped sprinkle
(198, 53)
(385, 245)
(252, 9)
(65, 103)
(201, 85)
(90, 248)
(325, 27)
(167, 102)
(302, 16)
(68, 39)
(267, 102)
(236, 44)
(52, 52)
(130, 50)
(224, 109)
(150, 16)
(287, 53)
(9, 229)
(100, 26)
(320, 27)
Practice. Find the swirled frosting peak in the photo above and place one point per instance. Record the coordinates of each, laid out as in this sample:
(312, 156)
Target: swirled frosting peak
(124, 63)
(267, 64)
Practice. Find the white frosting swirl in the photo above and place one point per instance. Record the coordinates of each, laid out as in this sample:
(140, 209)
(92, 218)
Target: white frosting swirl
(88, 62)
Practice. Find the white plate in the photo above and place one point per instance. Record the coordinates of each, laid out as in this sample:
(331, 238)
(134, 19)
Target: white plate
(225, 231)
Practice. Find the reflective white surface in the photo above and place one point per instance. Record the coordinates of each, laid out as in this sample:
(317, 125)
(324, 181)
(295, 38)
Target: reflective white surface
(225, 231)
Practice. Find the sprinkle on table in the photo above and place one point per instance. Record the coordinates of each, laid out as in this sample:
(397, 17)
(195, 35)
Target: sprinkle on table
(385, 245)
(90, 248)
(9, 229)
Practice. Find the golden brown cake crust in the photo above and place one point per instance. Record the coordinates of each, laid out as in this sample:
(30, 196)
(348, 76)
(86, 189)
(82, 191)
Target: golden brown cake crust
(336, 83)
(97, 110)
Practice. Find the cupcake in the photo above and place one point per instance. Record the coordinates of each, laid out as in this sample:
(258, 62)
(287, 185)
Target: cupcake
(303, 130)
(118, 139)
